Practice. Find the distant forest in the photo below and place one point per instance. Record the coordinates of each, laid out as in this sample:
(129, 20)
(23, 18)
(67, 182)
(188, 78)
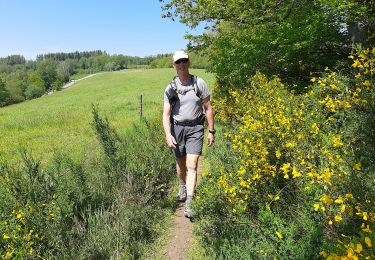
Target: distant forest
(22, 79)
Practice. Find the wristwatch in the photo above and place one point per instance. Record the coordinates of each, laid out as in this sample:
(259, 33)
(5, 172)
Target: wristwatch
(212, 131)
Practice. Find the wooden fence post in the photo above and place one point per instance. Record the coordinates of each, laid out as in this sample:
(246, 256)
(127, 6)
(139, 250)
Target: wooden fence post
(140, 109)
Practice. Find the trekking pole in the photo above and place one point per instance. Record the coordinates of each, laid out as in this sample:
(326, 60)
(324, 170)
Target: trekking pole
(140, 109)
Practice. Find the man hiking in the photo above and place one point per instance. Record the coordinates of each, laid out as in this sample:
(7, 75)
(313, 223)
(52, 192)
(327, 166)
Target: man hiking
(186, 105)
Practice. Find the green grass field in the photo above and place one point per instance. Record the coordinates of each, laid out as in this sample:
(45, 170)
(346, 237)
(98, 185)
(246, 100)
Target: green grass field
(62, 120)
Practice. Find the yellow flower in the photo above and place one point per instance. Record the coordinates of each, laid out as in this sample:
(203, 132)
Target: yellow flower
(339, 200)
(366, 83)
(291, 144)
(8, 255)
(314, 129)
(338, 218)
(368, 242)
(278, 154)
(241, 171)
(262, 110)
(346, 104)
(349, 196)
(365, 228)
(316, 206)
(357, 166)
(296, 173)
(279, 235)
(326, 199)
(359, 248)
(356, 64)
(285, 168)
(5, 236)
(337, 141)
(334, 87)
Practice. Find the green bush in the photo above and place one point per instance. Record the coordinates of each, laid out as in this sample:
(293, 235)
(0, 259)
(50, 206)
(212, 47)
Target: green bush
(97, 208)
(34, 91)
(292, 165)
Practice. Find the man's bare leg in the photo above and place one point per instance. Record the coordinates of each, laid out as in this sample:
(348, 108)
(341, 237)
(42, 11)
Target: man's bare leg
(181, 174)
(181, 168)
(191, 178)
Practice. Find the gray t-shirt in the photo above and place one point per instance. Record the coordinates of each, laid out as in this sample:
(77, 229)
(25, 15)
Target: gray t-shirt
(189, 106)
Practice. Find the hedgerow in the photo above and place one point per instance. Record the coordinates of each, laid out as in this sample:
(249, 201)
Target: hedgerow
(295, 172)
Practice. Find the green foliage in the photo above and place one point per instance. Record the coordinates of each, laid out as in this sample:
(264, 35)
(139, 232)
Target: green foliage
(298, 169)
(13, 60)
(240, 238)
(162, 62)
(197, 61)
(358, 12)
(16, 89)
(111, 66)
(4, 94)
(47, 70)
(290, 39)
(34, 91)
(36, 86)
(95, 208)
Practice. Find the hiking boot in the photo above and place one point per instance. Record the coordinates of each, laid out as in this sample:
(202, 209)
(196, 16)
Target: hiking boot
(188, 212)
(181, 197)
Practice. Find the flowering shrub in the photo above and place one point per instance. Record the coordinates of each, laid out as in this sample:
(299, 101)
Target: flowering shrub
(94, 210)
(303, 154)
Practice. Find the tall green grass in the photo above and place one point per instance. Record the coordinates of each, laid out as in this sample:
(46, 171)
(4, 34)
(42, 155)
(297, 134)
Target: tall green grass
(84, 184)
(103, 209)
(61, 121)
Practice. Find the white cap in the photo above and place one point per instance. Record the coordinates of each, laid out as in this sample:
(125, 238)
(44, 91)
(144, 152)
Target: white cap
(180, 55)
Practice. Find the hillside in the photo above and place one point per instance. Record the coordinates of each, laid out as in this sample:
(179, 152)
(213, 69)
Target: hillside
(62, 120)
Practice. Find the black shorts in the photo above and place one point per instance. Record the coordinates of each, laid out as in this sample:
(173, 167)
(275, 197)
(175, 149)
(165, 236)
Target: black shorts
(189, 139)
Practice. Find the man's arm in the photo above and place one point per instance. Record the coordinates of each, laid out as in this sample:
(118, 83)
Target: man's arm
(171, 142)
(210, 119)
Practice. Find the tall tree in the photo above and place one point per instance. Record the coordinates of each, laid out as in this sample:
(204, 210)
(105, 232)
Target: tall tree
(289, 38)
(36, 86)
(4, 94)
(47, 69)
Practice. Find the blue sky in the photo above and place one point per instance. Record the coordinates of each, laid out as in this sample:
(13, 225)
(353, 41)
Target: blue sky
(128, 27)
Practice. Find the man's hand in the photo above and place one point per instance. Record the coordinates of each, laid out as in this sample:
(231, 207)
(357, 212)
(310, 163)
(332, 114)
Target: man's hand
(171, 142)
(210, 139)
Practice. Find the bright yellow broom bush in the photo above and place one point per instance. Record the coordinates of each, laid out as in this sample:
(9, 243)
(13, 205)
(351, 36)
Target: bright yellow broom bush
(308, 153)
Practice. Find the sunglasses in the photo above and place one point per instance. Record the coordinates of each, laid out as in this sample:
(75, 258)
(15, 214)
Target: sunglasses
(181, 61)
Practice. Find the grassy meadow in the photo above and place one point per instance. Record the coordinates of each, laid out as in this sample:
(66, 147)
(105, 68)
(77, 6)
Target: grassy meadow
(106, 192)
(62, 120)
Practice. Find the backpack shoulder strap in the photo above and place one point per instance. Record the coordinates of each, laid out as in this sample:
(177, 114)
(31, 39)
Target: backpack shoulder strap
(173, 84)
(172, 92)
(198, 92)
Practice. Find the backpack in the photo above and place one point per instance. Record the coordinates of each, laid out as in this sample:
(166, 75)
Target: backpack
(173, 91)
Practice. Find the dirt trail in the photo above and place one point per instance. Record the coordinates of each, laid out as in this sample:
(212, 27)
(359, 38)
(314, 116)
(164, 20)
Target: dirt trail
(178, 244)
(182, 235)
